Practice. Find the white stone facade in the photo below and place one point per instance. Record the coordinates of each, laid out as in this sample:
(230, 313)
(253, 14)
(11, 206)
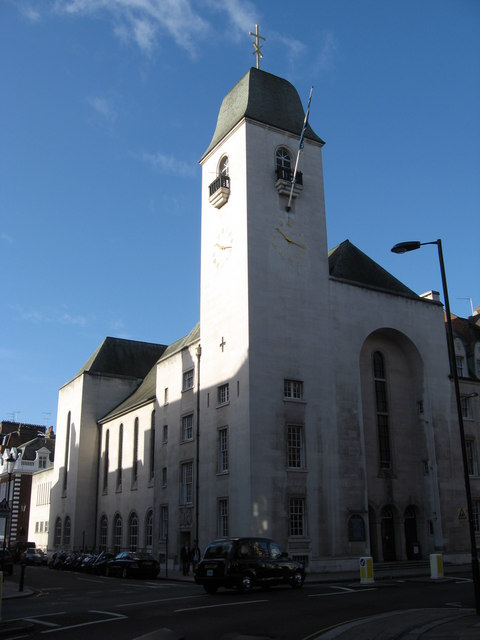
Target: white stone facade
(310, 408)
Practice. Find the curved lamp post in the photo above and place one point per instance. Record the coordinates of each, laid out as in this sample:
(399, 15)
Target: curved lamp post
(10, 462)
(403, 247)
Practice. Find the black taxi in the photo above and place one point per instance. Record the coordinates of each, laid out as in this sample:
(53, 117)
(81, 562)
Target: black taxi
(243, 563)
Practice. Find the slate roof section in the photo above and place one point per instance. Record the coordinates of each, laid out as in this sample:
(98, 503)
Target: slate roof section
(29, 449)
(265, 98)
(147, 390)
(119, 357)
(346, 262)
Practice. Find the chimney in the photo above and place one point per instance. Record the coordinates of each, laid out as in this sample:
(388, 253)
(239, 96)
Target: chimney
(431, 295)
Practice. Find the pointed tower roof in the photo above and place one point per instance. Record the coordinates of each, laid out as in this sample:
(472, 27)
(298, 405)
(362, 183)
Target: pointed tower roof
(346, 262)
(265, 98)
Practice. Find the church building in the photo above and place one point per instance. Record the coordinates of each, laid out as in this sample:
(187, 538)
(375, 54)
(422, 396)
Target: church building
(311, 404)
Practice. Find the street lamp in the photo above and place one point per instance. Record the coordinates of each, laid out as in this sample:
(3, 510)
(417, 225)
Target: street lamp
(403, 247)
(10, 462)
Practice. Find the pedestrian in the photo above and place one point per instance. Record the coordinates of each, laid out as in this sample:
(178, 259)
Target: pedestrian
(185, 556)
(195, 556)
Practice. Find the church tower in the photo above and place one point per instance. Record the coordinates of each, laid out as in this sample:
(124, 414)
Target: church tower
(264, 312)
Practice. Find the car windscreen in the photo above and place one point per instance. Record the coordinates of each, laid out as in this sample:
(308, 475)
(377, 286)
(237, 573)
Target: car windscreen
(217, 550)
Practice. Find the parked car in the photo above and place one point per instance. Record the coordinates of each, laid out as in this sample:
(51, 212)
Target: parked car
(99, 564)
(6, 561)
(130, 563)
(35, 556)
(243, 563)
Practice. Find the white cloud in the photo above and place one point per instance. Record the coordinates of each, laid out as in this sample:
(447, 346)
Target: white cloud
(145, 21)
(326, 58)
(164, 163)
(6, 238)
(103, 108)
(36, 316)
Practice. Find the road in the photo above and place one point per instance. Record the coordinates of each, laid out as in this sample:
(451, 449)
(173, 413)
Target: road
(71, 605)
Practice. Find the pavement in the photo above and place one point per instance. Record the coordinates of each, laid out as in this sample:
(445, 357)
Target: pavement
(452, 623)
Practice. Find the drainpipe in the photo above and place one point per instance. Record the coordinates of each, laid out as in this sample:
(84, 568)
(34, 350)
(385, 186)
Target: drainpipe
(197, 467)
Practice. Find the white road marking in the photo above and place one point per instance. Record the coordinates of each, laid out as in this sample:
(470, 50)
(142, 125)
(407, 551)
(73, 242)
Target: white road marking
(113, 617)
(216, 606)
(143, 602)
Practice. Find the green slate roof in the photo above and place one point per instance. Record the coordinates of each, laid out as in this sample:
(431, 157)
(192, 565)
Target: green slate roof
(146, 392)
(346, 262)
(265, 98)
(119, 357)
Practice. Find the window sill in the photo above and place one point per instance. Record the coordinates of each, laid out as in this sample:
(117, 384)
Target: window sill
(223, 473)
(295, 400)
(223, 404)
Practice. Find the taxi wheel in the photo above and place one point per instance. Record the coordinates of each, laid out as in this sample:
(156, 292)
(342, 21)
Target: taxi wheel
(247, 583)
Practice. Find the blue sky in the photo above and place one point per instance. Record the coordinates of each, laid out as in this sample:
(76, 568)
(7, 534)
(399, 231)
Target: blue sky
(107, 106)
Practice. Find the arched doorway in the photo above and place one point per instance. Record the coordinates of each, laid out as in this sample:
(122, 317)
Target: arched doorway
(411, 535)
(388, 534)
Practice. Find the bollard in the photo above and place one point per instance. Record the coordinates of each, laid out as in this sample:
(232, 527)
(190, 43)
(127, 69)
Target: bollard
(436, 566)
(366, 570)
(22, 577)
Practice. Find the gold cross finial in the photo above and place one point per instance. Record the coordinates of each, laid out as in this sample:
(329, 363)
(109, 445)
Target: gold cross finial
(257, 46)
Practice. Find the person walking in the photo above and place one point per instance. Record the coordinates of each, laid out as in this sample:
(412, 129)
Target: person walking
(185, 557)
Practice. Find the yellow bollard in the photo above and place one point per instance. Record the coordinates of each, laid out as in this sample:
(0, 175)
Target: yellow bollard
(366, 570)
(436, 566)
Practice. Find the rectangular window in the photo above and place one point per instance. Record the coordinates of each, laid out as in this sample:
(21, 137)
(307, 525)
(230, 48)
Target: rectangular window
(223, 517)
(293, 389)
(476, 515)
(186, 495)
(187, 427)
(164, 476)
(37, 527)
(165, 396)
(295, 447)
(296, 512)
(165, 433)
(224, 394)
(459, 362)
(472, 460)
(223, 450)
(187, 382)
(135, 452)
(46, 526)
(164, 523)
(466, 407)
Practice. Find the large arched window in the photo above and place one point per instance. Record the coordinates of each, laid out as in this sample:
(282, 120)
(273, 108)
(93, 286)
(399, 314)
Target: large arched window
(67, 529)
(57, 536)
(103, 533)
(120, 458)
(149, 530)
(105, 461)
(135, 453)
(67, 447)
(133, 532)
(380, 382)
(117, 533)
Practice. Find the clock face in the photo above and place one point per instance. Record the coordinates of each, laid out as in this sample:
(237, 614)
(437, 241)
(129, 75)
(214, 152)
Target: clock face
(288, 242)
(222, 249)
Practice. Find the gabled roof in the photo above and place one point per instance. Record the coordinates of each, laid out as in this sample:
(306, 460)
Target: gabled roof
(346, 262)
(265, 98)
(119, 357)
(146, 392)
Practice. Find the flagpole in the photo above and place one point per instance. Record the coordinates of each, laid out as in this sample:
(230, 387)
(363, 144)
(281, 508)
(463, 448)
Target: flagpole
(300, 147)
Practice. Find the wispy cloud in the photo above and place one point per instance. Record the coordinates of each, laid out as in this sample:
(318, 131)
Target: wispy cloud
(28, 11)
(6, 238)
(326, 58)
(145, 21)
(164, 163)
(103, 107)
(38, 316)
